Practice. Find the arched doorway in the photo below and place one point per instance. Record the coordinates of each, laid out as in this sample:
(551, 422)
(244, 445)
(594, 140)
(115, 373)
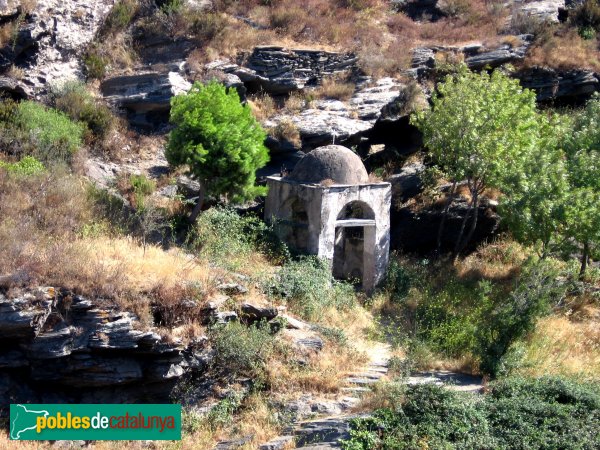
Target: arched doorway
(354, 242)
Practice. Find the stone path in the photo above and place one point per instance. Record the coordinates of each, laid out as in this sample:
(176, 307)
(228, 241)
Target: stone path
(326, 432)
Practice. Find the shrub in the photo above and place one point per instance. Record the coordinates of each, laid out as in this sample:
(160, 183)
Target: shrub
(517, 413)
(54, 136)
(468, 318)
(73, 99)
(141, 187)
(224, 237)
(586, 15)
(120, 16)
(95, 64)
(207, 26)
(309, 288)
(241, 350)
(511, 319)
(454, 8)
(26, 166)
(286, 130)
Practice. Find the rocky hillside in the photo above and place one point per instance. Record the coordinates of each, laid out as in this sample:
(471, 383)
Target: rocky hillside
(109, 293)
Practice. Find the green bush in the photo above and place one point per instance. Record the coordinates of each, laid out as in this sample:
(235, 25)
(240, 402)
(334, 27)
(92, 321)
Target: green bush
(120, 16)
(308, 287)
(512, 318)
(73, 99)
(241, 350)
(457, 317)
(95, 64)
(223, 236)
(26, 166)
(528, 414)
(142, 187)
(54, 137)
(586, 15)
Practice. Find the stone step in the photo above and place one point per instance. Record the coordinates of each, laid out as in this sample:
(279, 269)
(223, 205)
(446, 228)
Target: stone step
(322, 432)
(355, 389)
(278, 443)
(362, 380)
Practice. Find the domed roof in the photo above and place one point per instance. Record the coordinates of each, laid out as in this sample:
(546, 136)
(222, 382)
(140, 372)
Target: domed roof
(331, 162)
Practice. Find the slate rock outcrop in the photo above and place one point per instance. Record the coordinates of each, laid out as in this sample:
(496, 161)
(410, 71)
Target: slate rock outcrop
(60, 344)
(277, 70)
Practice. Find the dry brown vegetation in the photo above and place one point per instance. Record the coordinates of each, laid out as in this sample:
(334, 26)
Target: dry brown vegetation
(565, 345)
(565, 50)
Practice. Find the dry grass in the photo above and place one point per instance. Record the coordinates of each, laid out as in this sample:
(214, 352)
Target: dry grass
(286, 130)
(263, 106)
(501, 260)
(382, 38)
(335, 88)
(562, 345)
(565, 50)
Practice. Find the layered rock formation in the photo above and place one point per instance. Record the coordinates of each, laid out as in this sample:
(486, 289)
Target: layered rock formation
(51, 40)
(277, 70)
(60, 344)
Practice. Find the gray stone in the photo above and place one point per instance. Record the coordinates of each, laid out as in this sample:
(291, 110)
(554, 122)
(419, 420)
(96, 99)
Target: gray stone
(551, 83)
(311, 343)
(543, 10)
(279, 443)
(407, 183)
(253, 313)
(23, 317)
(278, 70)
(234, 443)
(12, 88)
(345, 122)
(144, 92)
(232, 288)
(332, 162)
(325, 432)
(52, 40)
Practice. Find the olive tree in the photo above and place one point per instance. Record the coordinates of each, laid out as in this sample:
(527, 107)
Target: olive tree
(479, 124)
(219, 141)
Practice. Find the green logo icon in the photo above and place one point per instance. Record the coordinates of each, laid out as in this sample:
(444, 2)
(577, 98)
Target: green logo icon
(95, 422)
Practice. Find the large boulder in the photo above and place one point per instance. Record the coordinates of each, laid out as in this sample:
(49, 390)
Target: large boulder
(415, 230)
(68, 346)
(476, 56)
(330, 121)
(277, 70)
(144, 94)
(572, 86)
(50, 43)
(542, 10)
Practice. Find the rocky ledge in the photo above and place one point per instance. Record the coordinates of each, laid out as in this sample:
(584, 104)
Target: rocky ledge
(86, 351)
(277, 70)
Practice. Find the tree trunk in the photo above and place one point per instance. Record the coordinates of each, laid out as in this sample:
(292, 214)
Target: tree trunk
(463, 225)
(198, 206)
(473, 222)
(584, 260)
(444, 218)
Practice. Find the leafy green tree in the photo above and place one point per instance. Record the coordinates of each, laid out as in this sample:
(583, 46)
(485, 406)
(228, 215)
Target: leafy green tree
(219, 141)
(536, 190)
(583, 162)
(478, 126)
